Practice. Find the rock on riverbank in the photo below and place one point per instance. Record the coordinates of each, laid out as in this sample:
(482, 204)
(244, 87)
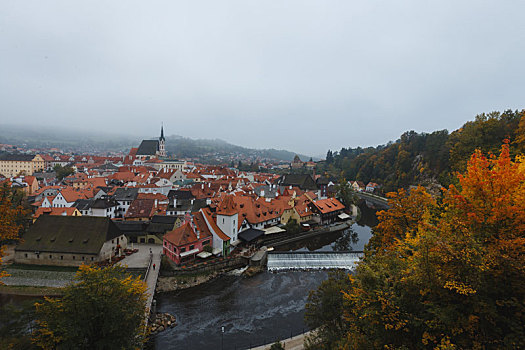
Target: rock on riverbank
(162, 322)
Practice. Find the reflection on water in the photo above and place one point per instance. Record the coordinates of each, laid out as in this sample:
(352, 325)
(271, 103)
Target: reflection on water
(353, 238)
(257, 310)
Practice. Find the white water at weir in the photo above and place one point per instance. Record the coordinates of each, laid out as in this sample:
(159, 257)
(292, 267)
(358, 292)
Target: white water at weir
(312, 261)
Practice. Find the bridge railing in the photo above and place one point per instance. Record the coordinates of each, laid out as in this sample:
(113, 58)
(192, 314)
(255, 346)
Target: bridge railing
(148, 269)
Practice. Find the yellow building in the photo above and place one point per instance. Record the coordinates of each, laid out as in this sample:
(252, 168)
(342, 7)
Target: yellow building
(14, 164)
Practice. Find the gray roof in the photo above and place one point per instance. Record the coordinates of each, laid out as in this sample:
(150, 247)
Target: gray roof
(126, 194)
(17, 157)
(83, 204)
(148, 148)
(104, 203)
(182, 205)
(180, 194)
(303, 181)
(198, 204)
(69, 234)
(132, 228)
(164, 219)
(107, 167)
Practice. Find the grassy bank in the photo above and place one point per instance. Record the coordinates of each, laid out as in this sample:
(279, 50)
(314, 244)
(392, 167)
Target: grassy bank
(30, 291)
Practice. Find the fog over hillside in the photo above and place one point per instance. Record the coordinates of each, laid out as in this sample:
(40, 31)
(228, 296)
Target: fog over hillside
(107, 141)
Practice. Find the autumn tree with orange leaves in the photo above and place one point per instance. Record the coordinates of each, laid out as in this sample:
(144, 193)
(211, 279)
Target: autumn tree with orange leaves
(446, 273)
(13, 216)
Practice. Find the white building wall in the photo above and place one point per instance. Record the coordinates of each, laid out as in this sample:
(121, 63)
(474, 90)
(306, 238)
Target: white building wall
(109, 247)
(228, 225)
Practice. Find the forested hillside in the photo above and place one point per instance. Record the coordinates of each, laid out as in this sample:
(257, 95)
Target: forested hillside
(423, 158)
(436, 274)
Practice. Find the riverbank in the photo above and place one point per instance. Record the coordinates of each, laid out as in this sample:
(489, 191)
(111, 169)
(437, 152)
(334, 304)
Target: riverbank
(175, 283)
(31, 291)
(286, 239)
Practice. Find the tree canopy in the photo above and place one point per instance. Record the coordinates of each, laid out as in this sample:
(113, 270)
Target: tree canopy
(448, 272)
(13, 217)
(426, 158)
(104, 309)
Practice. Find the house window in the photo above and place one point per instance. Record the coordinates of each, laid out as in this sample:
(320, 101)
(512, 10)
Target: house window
(50, 256)
(25, 255)
(61, 257)
(182, 250)
(82, 258)
(91, 258)
(73, 257)
(192, 247)
(38, 256)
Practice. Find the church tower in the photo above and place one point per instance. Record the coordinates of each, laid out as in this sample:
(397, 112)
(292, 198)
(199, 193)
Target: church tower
(162, 140)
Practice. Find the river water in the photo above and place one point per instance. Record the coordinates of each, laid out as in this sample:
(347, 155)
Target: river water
(253, 311)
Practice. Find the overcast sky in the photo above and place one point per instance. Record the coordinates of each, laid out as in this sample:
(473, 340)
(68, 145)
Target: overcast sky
(300, 75)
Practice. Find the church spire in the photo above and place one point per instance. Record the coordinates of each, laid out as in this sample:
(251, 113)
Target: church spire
(162, 147)
(162, 132)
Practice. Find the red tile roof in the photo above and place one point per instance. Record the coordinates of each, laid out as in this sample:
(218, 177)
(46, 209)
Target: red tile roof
(328, 205)
(211, 220)
(227, 207)
(181, 235)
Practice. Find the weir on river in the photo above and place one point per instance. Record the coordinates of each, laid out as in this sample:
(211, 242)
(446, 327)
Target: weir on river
(312, 260)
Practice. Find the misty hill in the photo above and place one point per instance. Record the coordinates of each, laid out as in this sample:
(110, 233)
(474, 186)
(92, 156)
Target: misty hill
(103, 142)
(183, 147)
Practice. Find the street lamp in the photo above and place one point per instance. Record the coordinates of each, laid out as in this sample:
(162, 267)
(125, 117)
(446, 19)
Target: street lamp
(222, 338)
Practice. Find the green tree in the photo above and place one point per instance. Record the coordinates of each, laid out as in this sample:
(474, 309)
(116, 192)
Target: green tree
(345, 193)
(16, 322)
(277, 346)
(63, 172)
(105, 309)
(324, 311)
(292, 226)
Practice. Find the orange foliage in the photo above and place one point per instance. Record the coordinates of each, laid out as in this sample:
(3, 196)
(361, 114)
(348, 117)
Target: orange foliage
(9, 213)
(447, 273)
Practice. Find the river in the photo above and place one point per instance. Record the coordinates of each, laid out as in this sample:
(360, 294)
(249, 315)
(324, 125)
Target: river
(257, 310)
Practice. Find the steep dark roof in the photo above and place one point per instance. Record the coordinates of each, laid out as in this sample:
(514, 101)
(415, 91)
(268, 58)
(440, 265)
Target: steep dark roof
(160, 224)
(180, 194)
(126, 194)
(198, 204)
(17, 157)
(104, 203)
(250, 234)
(164, 219)
(182, 205)
(303, 181)
(132, 228)
(83, 204)
(69, 234)
(148, 148)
